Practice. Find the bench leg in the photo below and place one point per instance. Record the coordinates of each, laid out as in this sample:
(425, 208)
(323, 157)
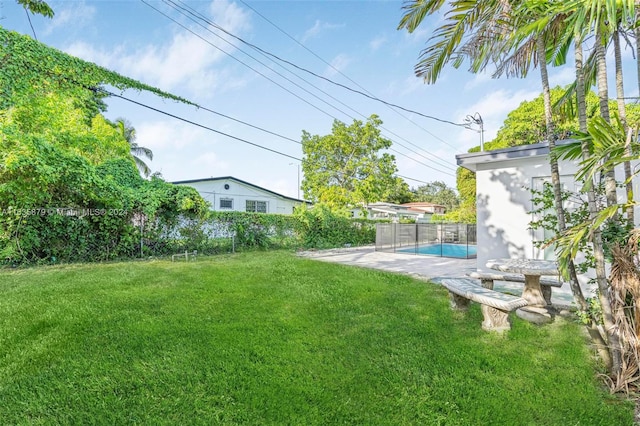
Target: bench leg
(546, 293)
(458, 303)
(487, 283)
(495, 319)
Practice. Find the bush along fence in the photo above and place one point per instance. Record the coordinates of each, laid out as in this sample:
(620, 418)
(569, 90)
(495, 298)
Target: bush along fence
(84, 236)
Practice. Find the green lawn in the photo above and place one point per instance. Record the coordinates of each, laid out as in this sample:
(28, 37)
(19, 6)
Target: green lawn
(268, 338)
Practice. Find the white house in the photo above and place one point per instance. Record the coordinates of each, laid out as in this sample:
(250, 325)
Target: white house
(418, 212)
(504, 182)
(231, 194)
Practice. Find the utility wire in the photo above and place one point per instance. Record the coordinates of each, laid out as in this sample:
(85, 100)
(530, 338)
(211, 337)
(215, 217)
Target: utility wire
(219, 132)
(348, 78)
(236, 59)
(319, 109)
(336, 83)
(107, 92)
(196, 124)
(184, 10)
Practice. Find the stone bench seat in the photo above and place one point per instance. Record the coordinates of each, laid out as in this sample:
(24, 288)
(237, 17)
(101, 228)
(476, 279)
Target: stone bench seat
(496, 306)
(518, 278)
(487, 279)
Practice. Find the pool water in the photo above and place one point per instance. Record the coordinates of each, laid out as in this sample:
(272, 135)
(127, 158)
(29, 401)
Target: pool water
(463, 251)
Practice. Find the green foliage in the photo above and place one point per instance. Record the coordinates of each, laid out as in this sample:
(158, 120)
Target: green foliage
(39, 7)
(605, 143)
(437, 192)
(466, 211)
(258, 230)
(345, 169)
(69, 189)
(29, 66)
(526, 125)
(322, 227)
(399, 193)
(546, 218)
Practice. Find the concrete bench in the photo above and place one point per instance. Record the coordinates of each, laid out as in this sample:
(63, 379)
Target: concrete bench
(487, 279)
(496, 306)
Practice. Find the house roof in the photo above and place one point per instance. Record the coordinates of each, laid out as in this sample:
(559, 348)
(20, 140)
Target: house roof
(471, 160)
(222, 178)
(418, 204)
(394, 212)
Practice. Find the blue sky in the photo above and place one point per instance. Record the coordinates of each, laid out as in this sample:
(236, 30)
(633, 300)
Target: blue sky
(357, 38)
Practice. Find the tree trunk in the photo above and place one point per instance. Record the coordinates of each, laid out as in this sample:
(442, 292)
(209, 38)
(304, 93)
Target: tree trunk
(600, 341)
(603, 96)
(613, 336)
(622, 113)
(555, 173)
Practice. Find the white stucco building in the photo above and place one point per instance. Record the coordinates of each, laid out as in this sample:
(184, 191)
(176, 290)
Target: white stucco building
(231, 194)
(504, 181)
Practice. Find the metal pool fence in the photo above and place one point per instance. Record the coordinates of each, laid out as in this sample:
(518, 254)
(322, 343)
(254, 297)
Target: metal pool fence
(435, 239)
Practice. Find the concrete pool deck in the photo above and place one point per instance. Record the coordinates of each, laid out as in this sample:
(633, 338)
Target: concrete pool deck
(419, 266)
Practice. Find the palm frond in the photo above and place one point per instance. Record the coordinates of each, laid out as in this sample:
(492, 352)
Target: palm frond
(415, 12)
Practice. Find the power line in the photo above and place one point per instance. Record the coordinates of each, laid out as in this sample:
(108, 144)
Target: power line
(107, 92)
(184, 9)
(236, 59)
(197, 124)
(319, 109)
(351, 80)
(336, 83)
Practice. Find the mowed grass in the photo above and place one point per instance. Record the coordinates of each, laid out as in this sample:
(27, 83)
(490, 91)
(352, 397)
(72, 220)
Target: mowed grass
(268, 338)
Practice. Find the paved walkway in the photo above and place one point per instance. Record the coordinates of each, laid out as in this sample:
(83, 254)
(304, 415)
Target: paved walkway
(426, 267)
(423, 267)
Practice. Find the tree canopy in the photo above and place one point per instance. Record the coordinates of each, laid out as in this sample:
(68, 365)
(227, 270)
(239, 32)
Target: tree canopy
(347, 167)
(69, 187)
(436, 192)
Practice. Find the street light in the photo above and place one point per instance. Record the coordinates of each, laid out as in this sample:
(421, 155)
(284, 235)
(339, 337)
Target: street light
(477, 120)
(291, 164)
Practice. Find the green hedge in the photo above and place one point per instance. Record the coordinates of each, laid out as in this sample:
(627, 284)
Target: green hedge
(226, 231)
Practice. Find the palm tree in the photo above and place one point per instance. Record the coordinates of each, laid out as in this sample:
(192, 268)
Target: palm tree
(128, 132)
(490, 31)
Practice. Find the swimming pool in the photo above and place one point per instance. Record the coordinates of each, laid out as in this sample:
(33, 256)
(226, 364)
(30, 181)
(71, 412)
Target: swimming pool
(463, 251)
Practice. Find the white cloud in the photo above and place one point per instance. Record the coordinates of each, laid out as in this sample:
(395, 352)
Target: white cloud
(209, 162)
(478, 80)
(318, 27)
(164, 135)
(77, 12)
(185, 61)
(410, 84)
(562, 76)
(338, 64)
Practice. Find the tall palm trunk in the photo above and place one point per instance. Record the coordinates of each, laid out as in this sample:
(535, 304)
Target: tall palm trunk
(553, 162)
(622, 113)
(599, 340)
(603, 97)
(604, 288)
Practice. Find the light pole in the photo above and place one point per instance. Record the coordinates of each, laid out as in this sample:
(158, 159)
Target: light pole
(476, 119)
(291, 164)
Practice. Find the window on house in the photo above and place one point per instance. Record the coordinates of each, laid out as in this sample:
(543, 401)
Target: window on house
(226, 203)
(256, 206)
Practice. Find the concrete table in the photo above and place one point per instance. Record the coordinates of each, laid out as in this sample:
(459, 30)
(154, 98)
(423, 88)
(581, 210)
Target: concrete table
(538, 310)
